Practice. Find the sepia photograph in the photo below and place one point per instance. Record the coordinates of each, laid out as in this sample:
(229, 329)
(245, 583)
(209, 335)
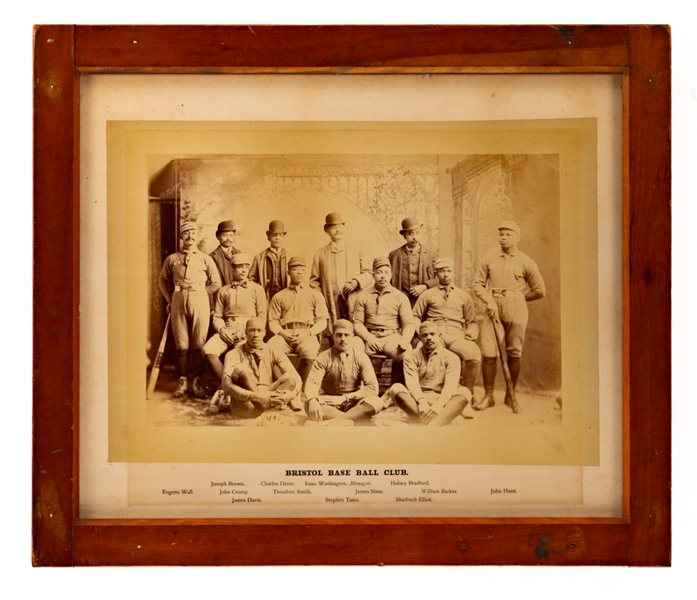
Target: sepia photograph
(302, 281)
(325, 290)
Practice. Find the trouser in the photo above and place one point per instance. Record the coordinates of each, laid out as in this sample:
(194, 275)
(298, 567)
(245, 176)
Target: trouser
(246, 379)
(513, 314)
(191, 315)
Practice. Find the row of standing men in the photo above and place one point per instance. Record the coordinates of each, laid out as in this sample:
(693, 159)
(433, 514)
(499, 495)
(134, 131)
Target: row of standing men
(363, 310)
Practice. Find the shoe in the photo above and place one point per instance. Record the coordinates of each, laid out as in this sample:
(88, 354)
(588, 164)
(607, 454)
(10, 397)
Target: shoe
(180, 392)
(487, 401)
(513, 404)
(212, 409)
(196, 388)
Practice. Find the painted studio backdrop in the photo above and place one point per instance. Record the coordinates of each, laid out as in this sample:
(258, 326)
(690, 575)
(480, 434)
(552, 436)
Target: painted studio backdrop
(459, 199)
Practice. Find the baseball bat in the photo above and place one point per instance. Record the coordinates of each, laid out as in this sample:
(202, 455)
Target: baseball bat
(501, 343)
(155, 373)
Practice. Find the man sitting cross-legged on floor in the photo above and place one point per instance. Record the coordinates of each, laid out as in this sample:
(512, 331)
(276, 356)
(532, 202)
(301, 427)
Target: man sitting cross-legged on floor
(248, 378)
(432, 394)
(349, 388)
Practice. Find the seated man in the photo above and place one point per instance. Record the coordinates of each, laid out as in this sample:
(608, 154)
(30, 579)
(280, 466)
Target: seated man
(235, 304)
(248, 377)
(349, 388)
(382, 319)
(432, 394)
(453, 310)
(297, 317)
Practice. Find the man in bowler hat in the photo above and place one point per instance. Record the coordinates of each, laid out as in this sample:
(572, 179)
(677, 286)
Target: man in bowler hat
(223, 254)
(338, 270)
(412, 264)
(269, 266)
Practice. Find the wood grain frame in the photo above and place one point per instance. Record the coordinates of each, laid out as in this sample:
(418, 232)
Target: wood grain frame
(640, 53)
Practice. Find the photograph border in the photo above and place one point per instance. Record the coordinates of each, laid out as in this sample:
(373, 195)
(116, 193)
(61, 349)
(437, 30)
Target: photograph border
(640, 53)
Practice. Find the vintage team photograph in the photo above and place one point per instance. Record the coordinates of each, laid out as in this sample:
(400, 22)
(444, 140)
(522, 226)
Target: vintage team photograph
(347, 290)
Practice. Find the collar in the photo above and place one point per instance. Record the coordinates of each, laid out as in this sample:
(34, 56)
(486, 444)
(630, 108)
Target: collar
(236, 284)
(339, 353)
(445, 288)
(299, 286)
(511, 253)
(334, 248)
(416, 250)
(276, 251)
(258, 351)
(387, 290)
(432, 353)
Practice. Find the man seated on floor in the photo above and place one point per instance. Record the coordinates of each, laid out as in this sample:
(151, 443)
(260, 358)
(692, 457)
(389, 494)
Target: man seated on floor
(382, 319)
(297, 317)
(342, 388)
(432, 394)
(248, 379)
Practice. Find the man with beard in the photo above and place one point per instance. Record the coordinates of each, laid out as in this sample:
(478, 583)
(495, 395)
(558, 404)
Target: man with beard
(248, 378)
(187, 281)
(297, 317)
(505, 281)
(452, 309)
(432, 394)
(342, 388)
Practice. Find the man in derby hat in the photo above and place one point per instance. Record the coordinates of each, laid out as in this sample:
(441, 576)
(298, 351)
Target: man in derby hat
(257, 377)
(187, 281)
(338, 270)
(452, 309)
(269, 266)
(506, 281)
(412, 264)
(382, 318)
(235, 305)
(223, 254)
(297, 317)
(431, 394)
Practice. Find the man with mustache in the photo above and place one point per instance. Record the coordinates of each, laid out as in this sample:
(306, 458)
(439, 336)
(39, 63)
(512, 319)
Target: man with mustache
(342, 388)
(432, 394)
(222, 255)
(248, 378)
(382, 318)
(297, 317)
(269, 266)
(452, 309)
(187, 281)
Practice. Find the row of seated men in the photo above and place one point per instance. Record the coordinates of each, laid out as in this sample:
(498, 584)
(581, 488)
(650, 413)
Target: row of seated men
(364, 311)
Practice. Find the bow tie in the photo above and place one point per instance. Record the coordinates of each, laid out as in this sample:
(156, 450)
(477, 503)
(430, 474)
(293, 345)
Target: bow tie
(238, 284)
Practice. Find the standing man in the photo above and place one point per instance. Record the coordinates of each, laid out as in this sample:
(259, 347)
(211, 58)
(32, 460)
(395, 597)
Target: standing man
(187, 279)
(337, 271)
(412, 264)
(269, 266)
(297, 317)
(236, 303)
(432, 394)
(223, 254)
(382, 318)
(453, 311)
(349, 388)
(248, 379)
(505, 281)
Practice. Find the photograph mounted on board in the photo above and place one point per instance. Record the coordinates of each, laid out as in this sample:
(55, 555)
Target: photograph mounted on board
(304, 282)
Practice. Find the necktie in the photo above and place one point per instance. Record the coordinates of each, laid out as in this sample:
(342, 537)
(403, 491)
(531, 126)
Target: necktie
(237, 284)
(446, 293)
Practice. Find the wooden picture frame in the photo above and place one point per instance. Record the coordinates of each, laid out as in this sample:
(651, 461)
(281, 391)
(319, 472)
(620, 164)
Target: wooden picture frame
(640, 53)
